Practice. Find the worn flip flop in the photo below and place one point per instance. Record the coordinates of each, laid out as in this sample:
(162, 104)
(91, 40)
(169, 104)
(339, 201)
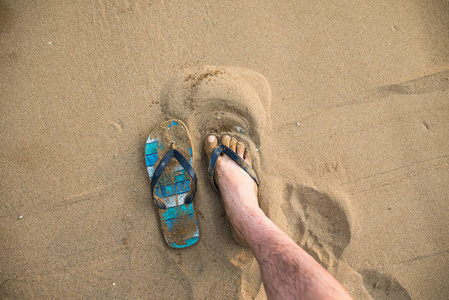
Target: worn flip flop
(219, 150)
(169, 160)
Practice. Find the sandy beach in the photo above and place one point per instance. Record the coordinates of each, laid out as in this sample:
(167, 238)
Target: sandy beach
(344, 105)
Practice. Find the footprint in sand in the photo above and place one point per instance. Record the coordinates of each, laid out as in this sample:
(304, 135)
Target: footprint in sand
(319, 223)
(233, 100)
(220, 100)
(383, 286)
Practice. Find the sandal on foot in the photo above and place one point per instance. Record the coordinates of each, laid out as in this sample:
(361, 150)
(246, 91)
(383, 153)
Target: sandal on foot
(222, 149)
(173, 181)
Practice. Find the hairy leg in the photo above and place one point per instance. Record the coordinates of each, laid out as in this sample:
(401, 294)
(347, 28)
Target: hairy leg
(287, 271)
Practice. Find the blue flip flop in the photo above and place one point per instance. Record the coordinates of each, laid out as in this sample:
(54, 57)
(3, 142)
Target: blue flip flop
(219, 150)
(169, 160)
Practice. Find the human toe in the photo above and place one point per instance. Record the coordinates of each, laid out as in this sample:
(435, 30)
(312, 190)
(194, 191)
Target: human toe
(247, 157)
(226, 140)
(240, 149)
(233, 144)
(210, 144)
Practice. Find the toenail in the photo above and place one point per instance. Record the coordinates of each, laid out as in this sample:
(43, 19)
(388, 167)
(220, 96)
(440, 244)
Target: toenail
(211, 138)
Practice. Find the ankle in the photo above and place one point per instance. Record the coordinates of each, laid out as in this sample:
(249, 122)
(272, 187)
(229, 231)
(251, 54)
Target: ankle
(247, 220)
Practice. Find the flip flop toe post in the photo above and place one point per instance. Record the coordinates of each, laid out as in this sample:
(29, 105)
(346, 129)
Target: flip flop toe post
(169, 160)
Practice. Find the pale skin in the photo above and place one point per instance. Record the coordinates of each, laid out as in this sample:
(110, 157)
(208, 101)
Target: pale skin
(287, 271)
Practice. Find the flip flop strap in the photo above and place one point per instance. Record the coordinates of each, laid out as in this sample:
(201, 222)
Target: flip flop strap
(226, 150)
(161, 167)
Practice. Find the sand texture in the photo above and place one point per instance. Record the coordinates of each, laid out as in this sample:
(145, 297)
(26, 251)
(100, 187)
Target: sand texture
(344, 106)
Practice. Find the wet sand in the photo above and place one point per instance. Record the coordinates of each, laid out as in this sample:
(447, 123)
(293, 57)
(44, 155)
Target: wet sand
(344, 106)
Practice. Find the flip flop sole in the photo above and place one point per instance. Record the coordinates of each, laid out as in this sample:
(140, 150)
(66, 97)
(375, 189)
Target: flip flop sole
(178, 220)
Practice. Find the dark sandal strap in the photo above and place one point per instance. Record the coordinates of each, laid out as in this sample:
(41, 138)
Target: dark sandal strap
(213, 162)
(160, 169)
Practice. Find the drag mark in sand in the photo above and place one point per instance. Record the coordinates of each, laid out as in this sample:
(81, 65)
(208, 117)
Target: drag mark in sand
(422, 85)
(438, 81)
(80, 197)
(385, 178)
(89, 192)
(421, 257)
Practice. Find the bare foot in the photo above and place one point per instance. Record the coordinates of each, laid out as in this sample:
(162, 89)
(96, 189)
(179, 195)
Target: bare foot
(237, 188)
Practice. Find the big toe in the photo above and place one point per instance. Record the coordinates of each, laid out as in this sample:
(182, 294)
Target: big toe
(210, 144)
